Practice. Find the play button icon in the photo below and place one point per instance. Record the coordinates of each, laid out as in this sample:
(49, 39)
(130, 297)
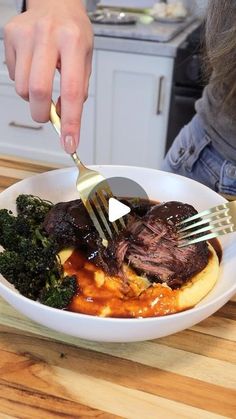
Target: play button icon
(126, 196)
(116, 209)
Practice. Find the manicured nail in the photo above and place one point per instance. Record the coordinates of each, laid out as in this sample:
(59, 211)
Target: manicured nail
(69, 145)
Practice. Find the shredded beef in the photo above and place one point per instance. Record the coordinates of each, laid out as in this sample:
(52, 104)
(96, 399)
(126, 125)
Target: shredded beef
(148, 244)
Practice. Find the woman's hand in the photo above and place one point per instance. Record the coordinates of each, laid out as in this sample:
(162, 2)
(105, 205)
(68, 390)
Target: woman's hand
(52, 35)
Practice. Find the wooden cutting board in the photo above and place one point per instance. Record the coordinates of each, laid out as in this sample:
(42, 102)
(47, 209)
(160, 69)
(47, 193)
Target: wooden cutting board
(187, 375)
(191, 374)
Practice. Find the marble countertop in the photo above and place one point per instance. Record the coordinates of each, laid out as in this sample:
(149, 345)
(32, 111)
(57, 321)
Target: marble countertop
(139, 38)
(144, 29)
(144, 46)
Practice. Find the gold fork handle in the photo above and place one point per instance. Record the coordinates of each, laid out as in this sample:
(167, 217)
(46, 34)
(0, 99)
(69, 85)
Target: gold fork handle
(55, 119)
(76, 159)
(56, 122)
(79, 164)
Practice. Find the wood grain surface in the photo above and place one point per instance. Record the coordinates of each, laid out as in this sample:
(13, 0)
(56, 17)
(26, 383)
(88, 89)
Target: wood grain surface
(44, 374)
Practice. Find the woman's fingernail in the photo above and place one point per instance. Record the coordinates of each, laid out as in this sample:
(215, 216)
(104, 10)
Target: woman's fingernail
(69, 144)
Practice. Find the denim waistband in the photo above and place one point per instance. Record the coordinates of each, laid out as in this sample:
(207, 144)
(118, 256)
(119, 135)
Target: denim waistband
(215, 161)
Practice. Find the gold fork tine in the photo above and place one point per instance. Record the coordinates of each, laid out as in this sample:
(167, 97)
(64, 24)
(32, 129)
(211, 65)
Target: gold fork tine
(206, 223)
(104, 202)
(212, 219)
(95, 220)
(209, 212)
(101, 214)
(209, 227)
(220, 220)
(109, 194)
(209, 236)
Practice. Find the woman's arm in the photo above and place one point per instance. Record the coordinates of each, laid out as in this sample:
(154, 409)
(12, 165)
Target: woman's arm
(51, 35)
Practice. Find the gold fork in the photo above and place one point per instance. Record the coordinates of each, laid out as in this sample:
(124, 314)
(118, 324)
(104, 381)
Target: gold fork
(208, 224)
(93, 189)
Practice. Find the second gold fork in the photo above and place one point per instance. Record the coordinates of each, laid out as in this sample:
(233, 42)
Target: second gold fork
(214, 222)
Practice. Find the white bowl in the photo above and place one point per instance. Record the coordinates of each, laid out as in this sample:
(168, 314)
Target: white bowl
(59, 185)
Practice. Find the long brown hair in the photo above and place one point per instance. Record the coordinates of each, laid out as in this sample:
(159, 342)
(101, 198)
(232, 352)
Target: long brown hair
(221, 48)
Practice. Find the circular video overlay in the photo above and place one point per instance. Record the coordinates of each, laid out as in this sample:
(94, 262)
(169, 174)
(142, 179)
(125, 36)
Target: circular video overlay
(122, 189)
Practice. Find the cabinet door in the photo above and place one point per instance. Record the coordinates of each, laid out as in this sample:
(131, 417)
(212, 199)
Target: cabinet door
(132, 106)
(21, 136)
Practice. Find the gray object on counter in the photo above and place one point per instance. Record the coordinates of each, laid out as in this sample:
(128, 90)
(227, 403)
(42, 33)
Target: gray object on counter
(154, 31)
(112, 18)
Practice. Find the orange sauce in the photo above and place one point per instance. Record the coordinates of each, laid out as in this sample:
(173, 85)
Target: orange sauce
(114, 297)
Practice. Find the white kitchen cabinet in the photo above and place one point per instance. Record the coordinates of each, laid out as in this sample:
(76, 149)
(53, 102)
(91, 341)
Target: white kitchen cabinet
(132, 107)
(21, 136)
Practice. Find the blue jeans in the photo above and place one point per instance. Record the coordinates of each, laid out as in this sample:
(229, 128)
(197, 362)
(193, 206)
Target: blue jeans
(192, 155)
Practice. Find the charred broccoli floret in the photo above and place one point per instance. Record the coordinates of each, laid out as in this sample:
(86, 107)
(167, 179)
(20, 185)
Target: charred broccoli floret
(33, 267)
(30, 260)
(15, 268)
(58, 294)
(12, 230)
(33, 208)
(11, 265)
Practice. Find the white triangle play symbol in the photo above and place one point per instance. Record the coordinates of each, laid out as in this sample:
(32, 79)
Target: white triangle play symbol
(116, 209)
